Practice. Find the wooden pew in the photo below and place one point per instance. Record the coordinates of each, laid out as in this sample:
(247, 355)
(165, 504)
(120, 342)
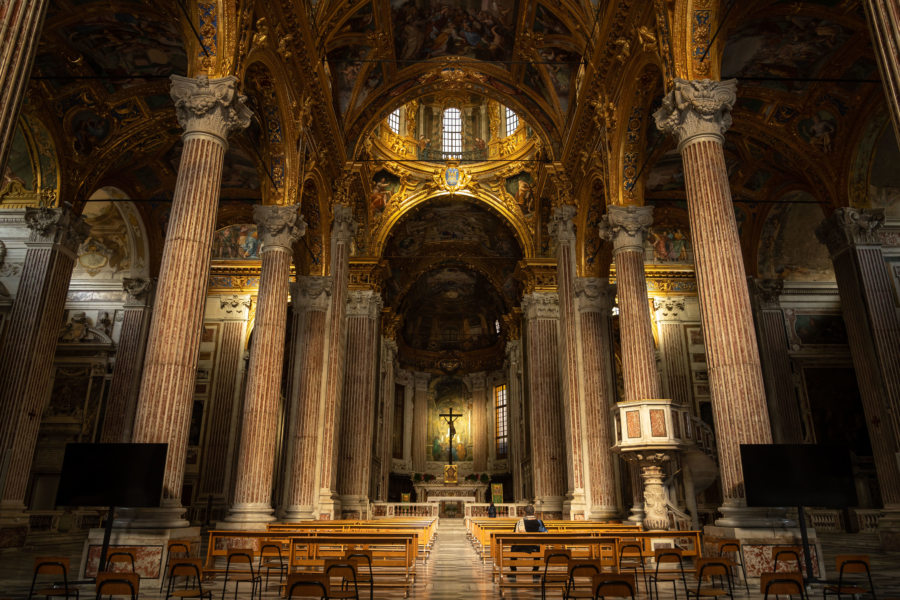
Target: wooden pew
(425, 527)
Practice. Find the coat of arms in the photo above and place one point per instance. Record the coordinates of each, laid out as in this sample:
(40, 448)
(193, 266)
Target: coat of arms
(452, 178)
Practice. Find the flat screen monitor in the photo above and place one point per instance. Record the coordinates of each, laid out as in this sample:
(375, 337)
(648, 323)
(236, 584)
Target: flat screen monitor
(798, 475)
(123, 475)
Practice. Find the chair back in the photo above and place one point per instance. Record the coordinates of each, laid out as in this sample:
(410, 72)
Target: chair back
(630, 549)
(556, 557)
(51, 565)
(852, 563)
(186, 567)
(360, 556)
(339, 567)
(301, 584)
(786, 553)
(613, 584)
(270, 551)
(713, 567)
(787, 584)
(120, 557)
(668, 555)
(728, 545)
(179, 546)
(118, 584)
(239, 556)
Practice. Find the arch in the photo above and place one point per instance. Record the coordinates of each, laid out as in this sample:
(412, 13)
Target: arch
(32, 173)
(117, 221)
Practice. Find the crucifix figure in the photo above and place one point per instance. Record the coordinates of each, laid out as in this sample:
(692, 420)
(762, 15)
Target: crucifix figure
(450, 416)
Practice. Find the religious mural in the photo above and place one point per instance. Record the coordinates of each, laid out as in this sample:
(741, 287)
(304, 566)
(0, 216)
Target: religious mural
(521, 187)
(788, 247)
(347, 64)
(106, 249)
(236, 242)
(668, 245)
(384, 185)
(449, 393)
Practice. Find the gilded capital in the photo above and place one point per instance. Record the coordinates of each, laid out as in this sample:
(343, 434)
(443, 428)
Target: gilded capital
(541, 305)
(209, 106)
(278, 226)
(363, 304)
(626, 226)
(311, 292)
(58, 226)
(697, 109)
(593, 294)
(848, 227)
(562, 223)
(343, 226)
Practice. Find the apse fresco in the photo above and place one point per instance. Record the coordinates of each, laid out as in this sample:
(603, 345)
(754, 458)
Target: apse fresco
(426, 29)
(449, 393)
(788, 247)
(236, 242)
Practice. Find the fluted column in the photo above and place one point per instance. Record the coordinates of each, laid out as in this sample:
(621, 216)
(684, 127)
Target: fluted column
(562, 228)
(405, 378)
(26, 357)
(884, 25)
(548, 449)
(21, 22)
(480, 435)
(873, 332)
(121, 403)
(208, 110)
(516, 433)
(781, 394)
(279, 227)
(343, 228)
(698, 113)
(388, 391)
(357, 420)
(593, 301)
(420, 421)
(311, 297)
(673, 348)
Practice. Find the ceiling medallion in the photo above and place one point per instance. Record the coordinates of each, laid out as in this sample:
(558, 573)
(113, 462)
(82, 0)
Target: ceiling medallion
(452, 178)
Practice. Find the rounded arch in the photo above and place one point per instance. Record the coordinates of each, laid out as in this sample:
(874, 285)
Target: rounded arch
(32, 172)
(118, 245)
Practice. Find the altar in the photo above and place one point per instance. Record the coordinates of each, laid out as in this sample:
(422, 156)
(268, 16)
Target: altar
(460, 492)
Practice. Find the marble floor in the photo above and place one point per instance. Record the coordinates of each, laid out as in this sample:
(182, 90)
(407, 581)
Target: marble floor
(455, 572)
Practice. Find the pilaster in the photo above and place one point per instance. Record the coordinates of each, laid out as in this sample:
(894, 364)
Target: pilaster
(676, 368)
(420, 420)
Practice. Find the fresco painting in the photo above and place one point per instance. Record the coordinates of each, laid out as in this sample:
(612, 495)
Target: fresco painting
(19, 174)
(88, 130)
(239, 171)
(561, 66)
(236, 242)
(819, 130)
(788, 247)
(667, 174)
(668, 245)
(384, 185)
(521, 187)
(347, 65)
(548, 23)
(820, 329)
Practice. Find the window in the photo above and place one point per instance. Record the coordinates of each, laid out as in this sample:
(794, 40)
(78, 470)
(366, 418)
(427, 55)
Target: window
(451, 143)
(512, 121)
(394, 121)
(502, 413)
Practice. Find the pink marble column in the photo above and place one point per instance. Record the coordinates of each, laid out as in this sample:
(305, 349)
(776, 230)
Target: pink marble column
(883, 17)
(343, 228)
(279, 227)
(420, 421)
(29, 345)
(698, 113)
(358, 408)
(121, 403)
(548, 448)
(781, 394)
(873, 331)
(673, 348)
(208, 110)
(481, 437)
(517, 447)
(311, 297)
(562, 228)
(21, 22)
(381, 479)
(593, 301)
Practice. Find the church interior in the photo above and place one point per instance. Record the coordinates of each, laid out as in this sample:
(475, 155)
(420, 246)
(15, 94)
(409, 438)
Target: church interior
(398, 261)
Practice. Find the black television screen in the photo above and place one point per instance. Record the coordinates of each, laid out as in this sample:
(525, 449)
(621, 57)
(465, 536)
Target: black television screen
(124, 475)
(798, 475)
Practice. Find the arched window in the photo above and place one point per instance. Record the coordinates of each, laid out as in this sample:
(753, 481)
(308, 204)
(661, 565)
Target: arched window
(512, 121)
(394, 121)
(451, 142)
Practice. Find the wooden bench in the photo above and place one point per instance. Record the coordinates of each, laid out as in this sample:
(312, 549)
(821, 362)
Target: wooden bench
(425, 527)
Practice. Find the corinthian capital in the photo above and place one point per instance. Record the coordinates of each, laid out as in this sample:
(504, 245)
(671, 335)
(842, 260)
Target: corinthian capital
(58, 226)
(210, 106)
(593, 294)
(626, 226)
(669, 309)
(343, 227)
(364, 303)
(311, 293)
(562, 223)
(697, 109)
(541, 305)
(137, 290)
(278, 226)
(848, 227)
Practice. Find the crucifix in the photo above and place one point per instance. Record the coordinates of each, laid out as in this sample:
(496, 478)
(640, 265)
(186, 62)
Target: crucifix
(450, 418)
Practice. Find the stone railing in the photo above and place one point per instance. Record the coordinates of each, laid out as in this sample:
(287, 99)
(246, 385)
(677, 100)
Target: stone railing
(383, 510)
(866, 519)
(480, 509)
(826, 520)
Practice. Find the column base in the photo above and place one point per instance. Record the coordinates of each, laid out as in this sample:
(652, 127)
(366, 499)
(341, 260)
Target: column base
(758, 543)
(13, 525)
(603, 513)
(549, 507)
(889, 528)
(295, 513)
(329, 506)
(575, 506)
(149, 546)
(248, 516)
(354, 507)
(637, 514)
(164, 517)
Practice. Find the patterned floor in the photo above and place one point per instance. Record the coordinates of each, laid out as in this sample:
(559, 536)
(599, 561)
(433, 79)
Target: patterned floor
(454, 571)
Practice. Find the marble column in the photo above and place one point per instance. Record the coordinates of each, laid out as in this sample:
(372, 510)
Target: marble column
(883, 17)
(698, 113)
(208, 110)
(279, 227)
(593, 301)
(121, 403)
(357, 416)
(481, 437)
(21, 22)
(420, 421)
(673, 348)
(406, 379)
(516, 419)
(562, 228)
(343, 228)
(311, 297)
(29, 346)
(216, 470)
(781, 394)
(873, 331)
(548, 448)
(388, 390)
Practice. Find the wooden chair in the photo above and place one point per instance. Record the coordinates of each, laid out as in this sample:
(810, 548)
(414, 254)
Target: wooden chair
(733, 546)
(241, 556)
(307, 585)
(786, 554)
(580, 582)
(118, 584)
(360, 558)
(667, 556)
(854, 565)
(713, 568)
(190, 569)
(54, 566)
(181, 547)
(270, 559)
(120, 557)
(552, 573)
(616, 585)
(782, 584)
(346, 570)
(629, 550)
